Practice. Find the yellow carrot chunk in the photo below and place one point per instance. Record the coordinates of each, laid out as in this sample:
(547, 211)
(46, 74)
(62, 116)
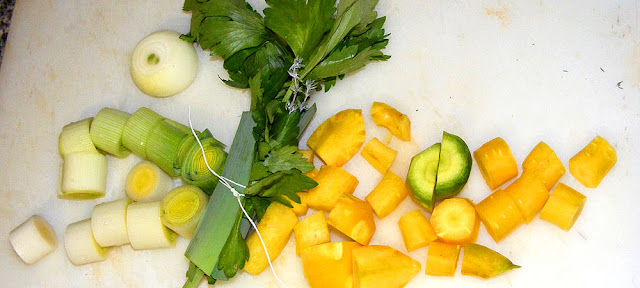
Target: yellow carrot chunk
(499, 214)
(382, 266)
(387, 195)
(275, 228)
(483, 262)
(332, 182)
(329, 265)
(593, 162)
(544, 164)
(390, 118)
(339, 138)
(300, 209)
(496, 162)
(312, 174)
(354, 218)
(442, 259)
(378, 155)
(529, 194)
(563, 207)
(416, 230)
(311, 231)
(455, 221)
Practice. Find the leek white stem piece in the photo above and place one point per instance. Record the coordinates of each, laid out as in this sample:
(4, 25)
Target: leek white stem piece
(84, 175)
(81, 246)
(183, 208)
(106, 131)
(109, 223)
(163, 65)
(75, 137)
(33, 239)
(137, 130)
(146, 182)
(145, 227)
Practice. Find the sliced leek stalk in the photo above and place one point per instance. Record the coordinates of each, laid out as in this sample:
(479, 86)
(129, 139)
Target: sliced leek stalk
(145, 227)
(81, 247)
(75, 137)
(109, 223)
(146, 182)
(137, 129)
(194, 170)
(163, 65)
(33, 239)
(163, 145)
(183, 208)
(106, 131)
(84, 175)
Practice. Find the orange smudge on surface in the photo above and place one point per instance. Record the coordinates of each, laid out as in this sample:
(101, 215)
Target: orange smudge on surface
(502, 14)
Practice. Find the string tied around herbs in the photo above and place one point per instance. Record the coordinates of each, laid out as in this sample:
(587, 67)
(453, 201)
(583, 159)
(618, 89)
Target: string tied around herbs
(228, 184)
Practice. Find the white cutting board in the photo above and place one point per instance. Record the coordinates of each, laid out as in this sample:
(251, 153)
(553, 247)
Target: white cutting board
(527, 71)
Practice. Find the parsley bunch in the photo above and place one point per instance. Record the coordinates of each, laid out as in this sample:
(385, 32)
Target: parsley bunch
(297, 48)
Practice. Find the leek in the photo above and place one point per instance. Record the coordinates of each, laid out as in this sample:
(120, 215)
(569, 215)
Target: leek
(146, 182)
(33, 239)
(194, 170)
(137, 130)
(106, 131)
(75, 137)
(109, 223)
(145, 227)
(163, 145)
(81, 246)
(84, 175)
(220, 217)
(183, 208)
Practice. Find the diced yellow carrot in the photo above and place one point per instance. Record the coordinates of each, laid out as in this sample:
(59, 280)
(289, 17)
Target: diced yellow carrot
(339, 138)
(529, 194)
(442, 259)
(563, 207)
(378, 155)
(483, 262)
(354, 218)
(332, 182)
(329, 265)
(416, 230)
(496, 162)
(544, 164)
(311, 231)
(593, 162)
(275, 228)
(455, 221)
(499, 214)
(390, 118)
(300, 209)
(307, 154)
(387, 195)
(382, 266)
(312, 174)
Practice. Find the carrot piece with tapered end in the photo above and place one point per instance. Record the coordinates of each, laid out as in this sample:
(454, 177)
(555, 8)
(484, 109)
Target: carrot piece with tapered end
(378, 155)
(300, 209)
(329, 265)
(496, 162)
(499, 214)
(339, 138)
(544, 164)
(416, 230)
(483, 262)
(382, 266)
(593, 162)
(563, 207)
(442, 259)
(390, 118)
(529, 194)
(387, 195)
(455, 221)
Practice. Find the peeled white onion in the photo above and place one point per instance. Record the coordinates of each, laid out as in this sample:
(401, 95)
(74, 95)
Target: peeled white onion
(163, 65)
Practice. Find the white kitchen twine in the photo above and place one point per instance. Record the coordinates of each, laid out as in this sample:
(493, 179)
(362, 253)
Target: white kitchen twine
(227, 183)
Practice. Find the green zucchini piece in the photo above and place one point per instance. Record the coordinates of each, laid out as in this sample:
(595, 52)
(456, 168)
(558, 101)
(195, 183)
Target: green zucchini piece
(421, 178)
(454, 167)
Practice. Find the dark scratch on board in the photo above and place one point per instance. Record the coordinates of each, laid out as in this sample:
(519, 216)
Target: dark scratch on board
(582, 235)
(619, 83)
(601, 69)
(565, 71)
